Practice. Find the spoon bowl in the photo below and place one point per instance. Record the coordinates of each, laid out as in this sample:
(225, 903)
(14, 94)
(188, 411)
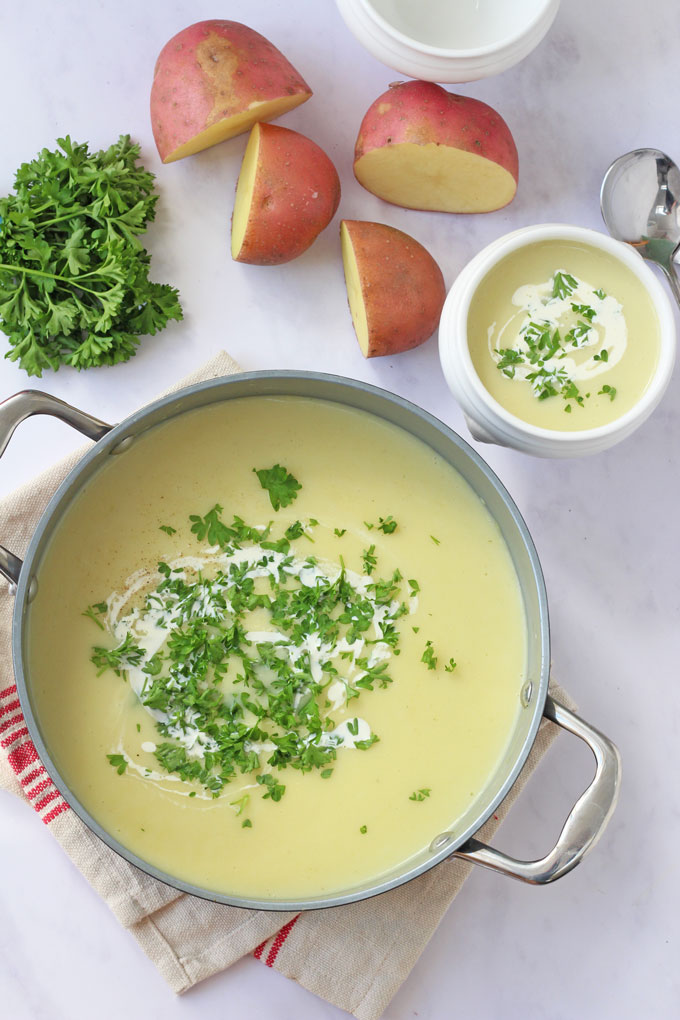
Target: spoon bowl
(640, 202)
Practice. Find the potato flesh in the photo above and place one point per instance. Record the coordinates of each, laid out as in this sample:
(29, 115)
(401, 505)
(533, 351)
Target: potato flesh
(244, 194)
(435, 177)
(236, 125)
(354, 292)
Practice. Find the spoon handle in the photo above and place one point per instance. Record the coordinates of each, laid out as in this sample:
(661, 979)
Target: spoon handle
(672, 274)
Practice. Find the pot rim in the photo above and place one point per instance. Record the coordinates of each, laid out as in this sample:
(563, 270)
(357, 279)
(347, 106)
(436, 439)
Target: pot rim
(250, 384)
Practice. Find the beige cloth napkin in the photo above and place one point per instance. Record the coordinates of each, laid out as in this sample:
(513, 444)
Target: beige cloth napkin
(354, 956)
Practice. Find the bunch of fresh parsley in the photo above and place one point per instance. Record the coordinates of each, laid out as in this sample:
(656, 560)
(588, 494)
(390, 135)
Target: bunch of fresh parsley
(74, 286)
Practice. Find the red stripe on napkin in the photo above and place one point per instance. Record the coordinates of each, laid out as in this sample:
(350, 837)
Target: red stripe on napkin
(279, 940)
(275, 943)
(23, 756)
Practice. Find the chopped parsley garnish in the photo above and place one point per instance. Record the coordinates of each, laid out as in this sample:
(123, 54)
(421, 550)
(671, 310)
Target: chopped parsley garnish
(168, 529)
(428, 656)
(119, 762)
(563, 284)
(118, 659)
(246, 823)
(451, 665)
(295, 530)
(241, 804)
(414, 586)
(95, 611)
(339, 531)
(274, 790)
(385, 524)
(363, 830)
(227, 700)
(435, 540)
(369, 559)
(280, 484)
(540, 346)
(421, 795)
(610, 391)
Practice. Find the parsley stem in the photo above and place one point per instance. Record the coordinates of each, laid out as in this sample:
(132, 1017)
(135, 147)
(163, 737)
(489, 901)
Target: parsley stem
(55, 276)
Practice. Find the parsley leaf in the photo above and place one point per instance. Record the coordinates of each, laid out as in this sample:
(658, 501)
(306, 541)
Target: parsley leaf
(119, 762)
(74, 286)
(563, 285)
(421, 795)
(428, 656)
(281, 486)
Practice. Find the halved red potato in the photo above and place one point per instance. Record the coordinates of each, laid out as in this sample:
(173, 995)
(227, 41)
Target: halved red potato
(214, 80)
(288, 191)
(395, 288)
(422, 147)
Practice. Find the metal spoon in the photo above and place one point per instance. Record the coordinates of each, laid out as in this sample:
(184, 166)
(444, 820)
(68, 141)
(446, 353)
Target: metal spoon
(640, 198)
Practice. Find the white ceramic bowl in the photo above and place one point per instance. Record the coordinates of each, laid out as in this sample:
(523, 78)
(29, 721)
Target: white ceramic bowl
(449, 40)
(487, 420)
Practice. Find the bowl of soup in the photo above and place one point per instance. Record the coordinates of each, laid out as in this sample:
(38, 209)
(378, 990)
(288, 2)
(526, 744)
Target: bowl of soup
(440, 41)
(557, 341)
(281, 640)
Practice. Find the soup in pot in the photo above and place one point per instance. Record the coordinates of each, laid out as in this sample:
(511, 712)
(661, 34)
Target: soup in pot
(277, 646)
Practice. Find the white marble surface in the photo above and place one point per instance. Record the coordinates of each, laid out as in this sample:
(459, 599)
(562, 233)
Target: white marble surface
(602, 942)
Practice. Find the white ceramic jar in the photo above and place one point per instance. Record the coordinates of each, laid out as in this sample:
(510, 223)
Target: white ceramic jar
(487, 420)
(449, 40)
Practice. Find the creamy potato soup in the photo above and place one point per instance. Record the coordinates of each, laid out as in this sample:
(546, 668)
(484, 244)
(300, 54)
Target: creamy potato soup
(277, 647)
(563, 336)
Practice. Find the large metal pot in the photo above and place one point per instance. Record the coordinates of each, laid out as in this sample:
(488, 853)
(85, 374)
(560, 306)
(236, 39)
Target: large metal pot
(593, 809)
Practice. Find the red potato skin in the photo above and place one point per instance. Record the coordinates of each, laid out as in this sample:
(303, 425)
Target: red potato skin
(296, 195)
(421, 112)
(402, 287)
(210, 71)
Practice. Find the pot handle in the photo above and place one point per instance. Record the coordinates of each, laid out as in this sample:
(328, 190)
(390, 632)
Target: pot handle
(16, 409)
(587, 819)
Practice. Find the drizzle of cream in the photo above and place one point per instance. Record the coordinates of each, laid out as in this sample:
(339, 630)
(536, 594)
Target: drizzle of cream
(535, 303)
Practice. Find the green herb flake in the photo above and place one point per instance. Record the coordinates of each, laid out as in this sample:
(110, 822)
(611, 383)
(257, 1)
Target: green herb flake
(607, 390)
(435, 540)
(279, 483)
(95, 611)
(369, 559)
(339, 532)
(421, 795)
(119, 762)
(388, 525)
(363, 830)
(326, 773)
(275, 790)
(600, 293)
(451, 665)
(295, 530)
(168, 529)
(428, 656)
(241, 804)
(246, 823)
(563, 284)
